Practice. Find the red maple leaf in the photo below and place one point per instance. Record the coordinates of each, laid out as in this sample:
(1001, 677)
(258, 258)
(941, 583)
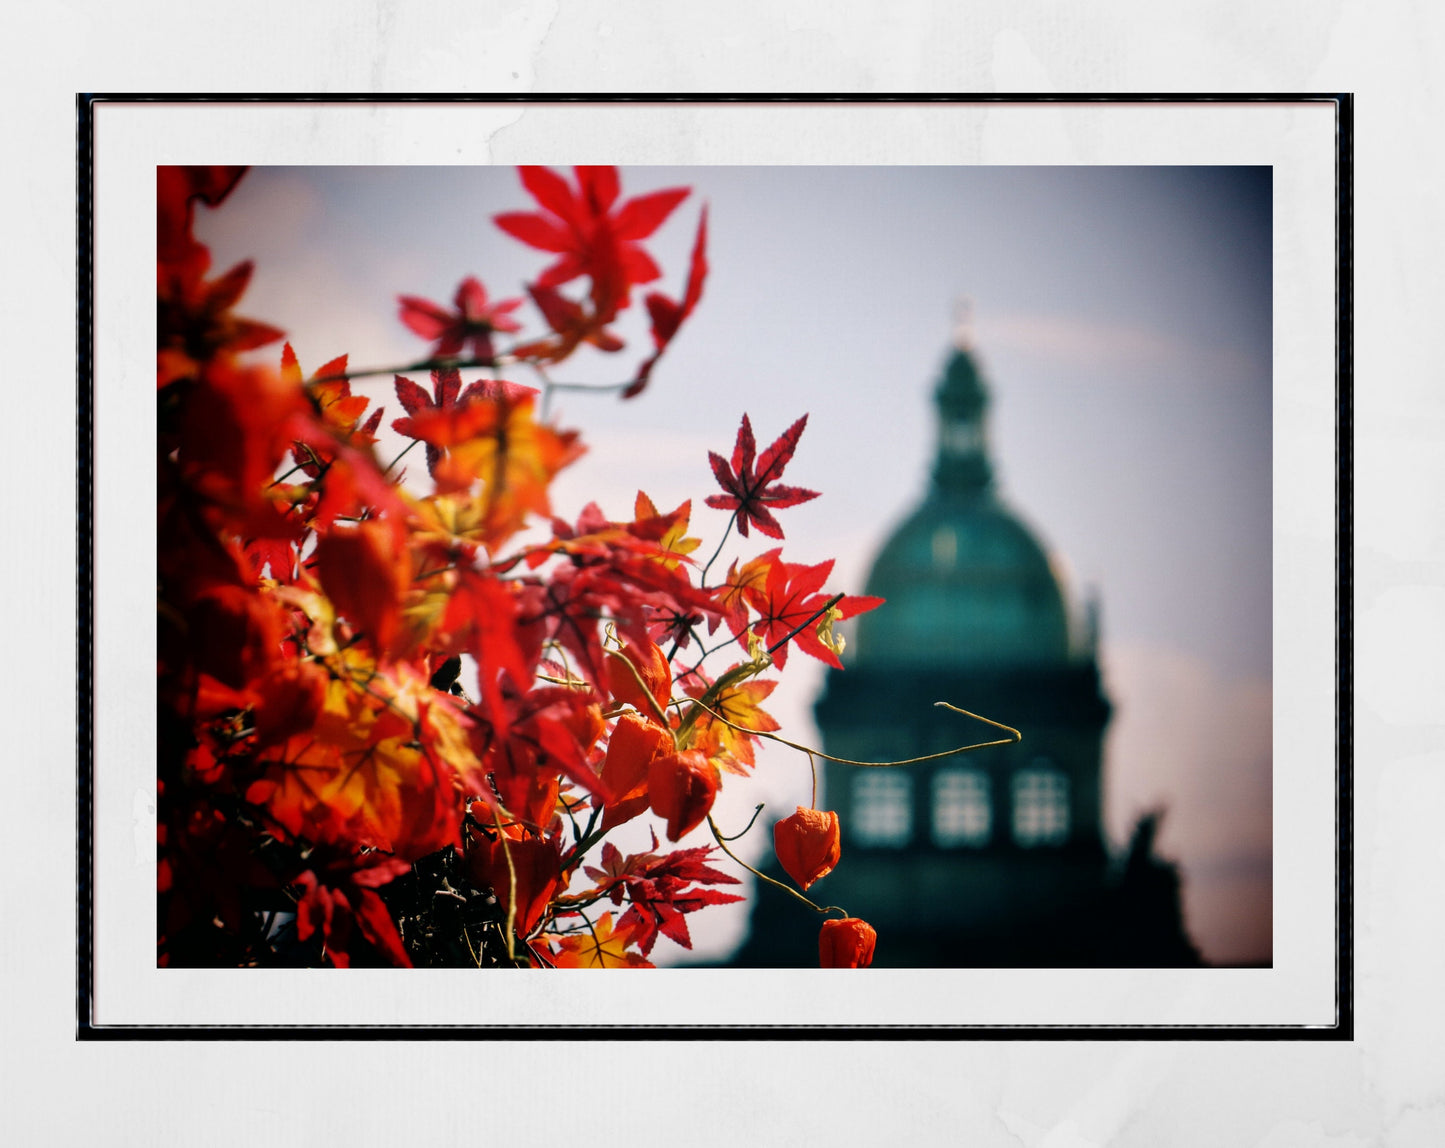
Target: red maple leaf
(588, 235)
(330, 906)
(473, 321)
(193, 313)
(747, 480)
(573, 323)
(366, 572)
(513, 863)
(667, 314)
(549, 731)
(731, 598)
(614, 572)
(662, 889)
(194, 319)
(177, 190)
(792, 598)
(675, 625)
(482, 612)
(447, 387)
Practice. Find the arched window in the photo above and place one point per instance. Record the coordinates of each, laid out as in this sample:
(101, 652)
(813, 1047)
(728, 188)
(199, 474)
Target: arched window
(1041, 805)
(962, 810)
(945, 547)
(882, 807)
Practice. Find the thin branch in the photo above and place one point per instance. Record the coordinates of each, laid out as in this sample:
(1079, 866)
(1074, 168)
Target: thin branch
(589, 839)
(1016, 737)
(511, 885)
(702, 578)
(424, 365)
(744, 831)
(401, 456)
(476, 960)
(796, 630)
(706, 654)
(599, 388)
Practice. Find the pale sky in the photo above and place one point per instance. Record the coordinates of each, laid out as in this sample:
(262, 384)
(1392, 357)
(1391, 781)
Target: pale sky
(1122, 317)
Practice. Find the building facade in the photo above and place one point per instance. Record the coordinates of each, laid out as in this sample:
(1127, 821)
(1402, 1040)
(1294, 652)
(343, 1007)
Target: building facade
(995, 857)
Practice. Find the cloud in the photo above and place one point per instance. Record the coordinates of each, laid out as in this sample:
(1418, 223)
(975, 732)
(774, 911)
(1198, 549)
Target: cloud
(1084, 345)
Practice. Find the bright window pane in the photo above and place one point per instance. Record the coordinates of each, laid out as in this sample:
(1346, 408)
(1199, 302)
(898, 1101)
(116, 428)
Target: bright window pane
(962, 814)
(1041, 807)
(882, 807)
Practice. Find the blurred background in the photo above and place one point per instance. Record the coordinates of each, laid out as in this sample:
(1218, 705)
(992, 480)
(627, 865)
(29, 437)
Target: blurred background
(1118, 324)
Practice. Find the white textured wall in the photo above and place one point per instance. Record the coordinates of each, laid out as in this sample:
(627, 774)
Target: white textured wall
(1384, 1088)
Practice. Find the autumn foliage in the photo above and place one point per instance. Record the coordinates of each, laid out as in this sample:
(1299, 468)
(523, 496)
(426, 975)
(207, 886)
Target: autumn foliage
(401, 709)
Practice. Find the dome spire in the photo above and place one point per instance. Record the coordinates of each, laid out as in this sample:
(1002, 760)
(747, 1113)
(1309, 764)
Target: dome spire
(962, 465)
(968, 584)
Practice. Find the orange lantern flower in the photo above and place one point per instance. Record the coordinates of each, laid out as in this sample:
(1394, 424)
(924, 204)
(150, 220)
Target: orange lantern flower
(846, 944)
(635, 742)
(807, 844)
(682, 787)
(640, 676)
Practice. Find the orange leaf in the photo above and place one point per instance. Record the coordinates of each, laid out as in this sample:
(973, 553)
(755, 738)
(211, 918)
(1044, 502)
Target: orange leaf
(357, 775)
(669, 531)
(291, 699)
(340, 411)
(740, 587)
(739, 704)
(365, 573)
(495, 439)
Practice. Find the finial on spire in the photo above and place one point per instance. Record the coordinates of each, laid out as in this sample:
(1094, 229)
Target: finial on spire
(963, 323)
(1092, 609)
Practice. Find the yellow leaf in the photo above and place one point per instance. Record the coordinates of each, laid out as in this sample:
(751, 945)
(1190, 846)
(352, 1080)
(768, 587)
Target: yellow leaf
(740, 704)
(599, 948)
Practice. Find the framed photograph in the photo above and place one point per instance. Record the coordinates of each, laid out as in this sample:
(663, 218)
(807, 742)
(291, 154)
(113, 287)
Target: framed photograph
(1062, 389)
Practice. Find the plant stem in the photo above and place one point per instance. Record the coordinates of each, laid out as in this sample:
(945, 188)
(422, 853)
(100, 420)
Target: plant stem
(589, 839)
(796, 630)
(877, 764)
(702, 578)
(424, 365)
(743, 832)
(401, 456)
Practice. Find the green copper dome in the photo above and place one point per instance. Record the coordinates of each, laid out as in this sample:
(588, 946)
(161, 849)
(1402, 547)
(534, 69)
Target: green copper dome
(967, 583)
